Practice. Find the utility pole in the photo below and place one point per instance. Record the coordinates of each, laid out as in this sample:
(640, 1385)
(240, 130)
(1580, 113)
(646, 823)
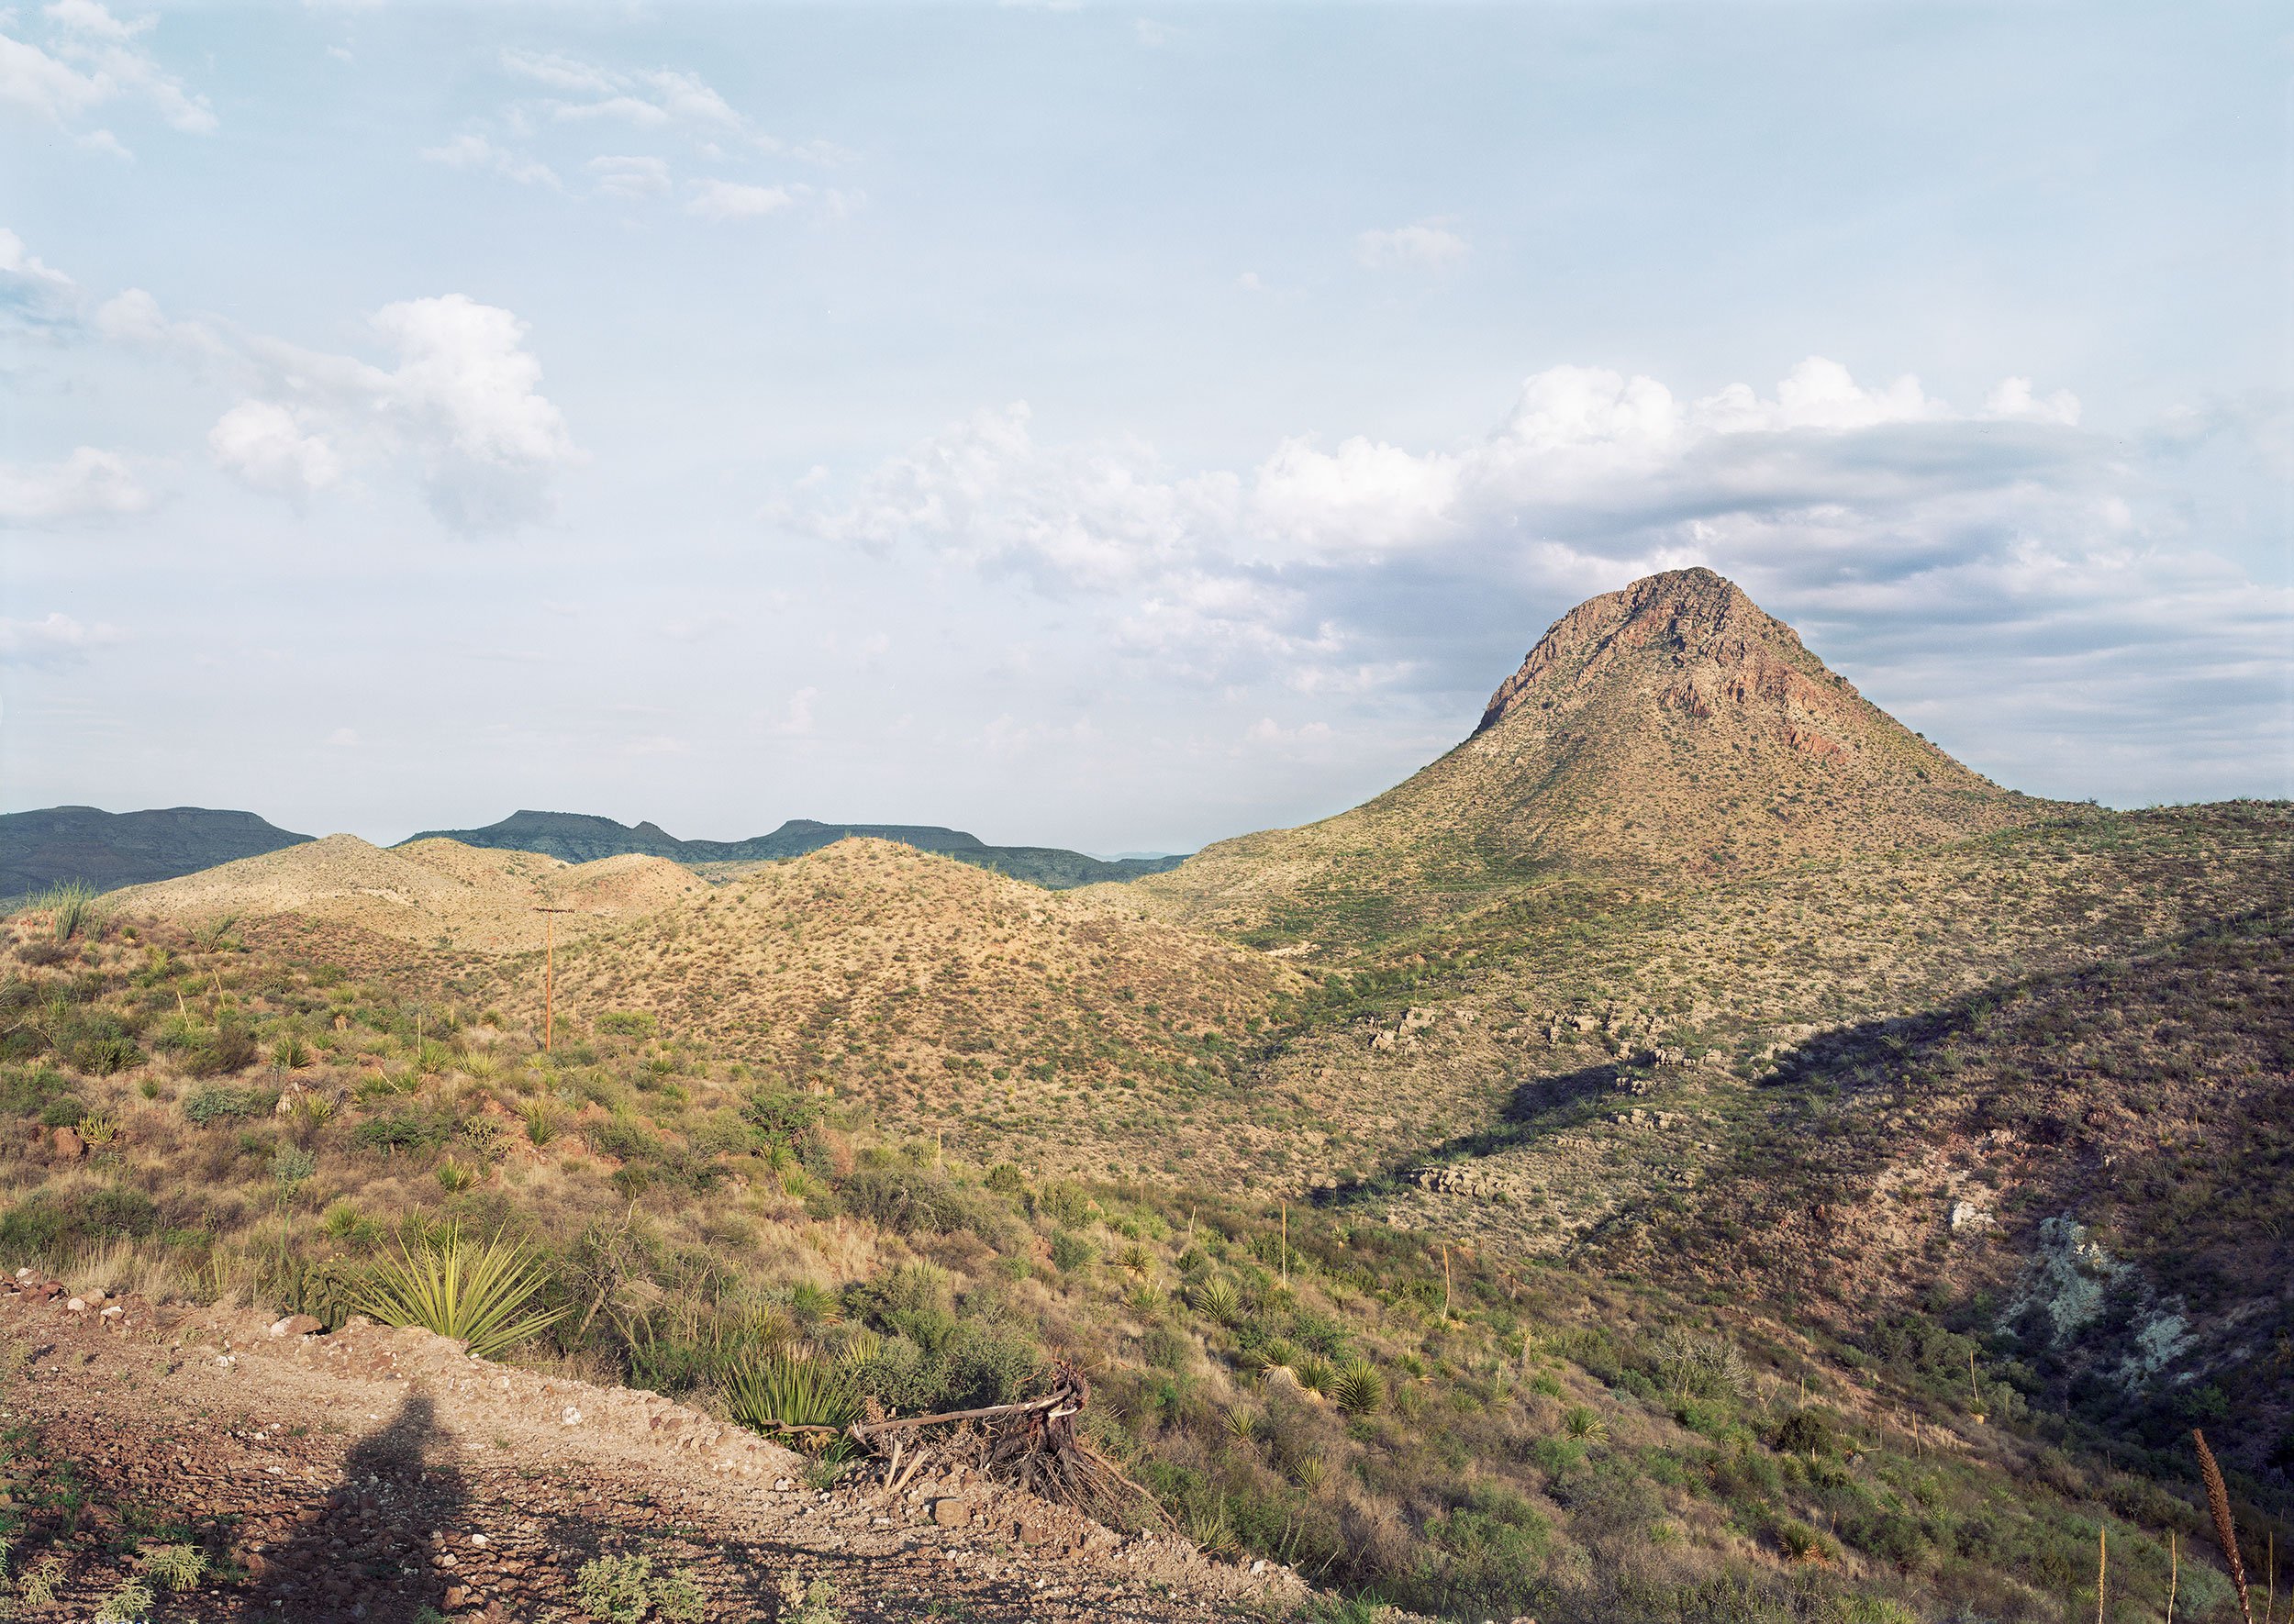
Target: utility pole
(549, 976)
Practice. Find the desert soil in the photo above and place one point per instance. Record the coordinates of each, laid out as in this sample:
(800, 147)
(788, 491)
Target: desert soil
(369, 1474)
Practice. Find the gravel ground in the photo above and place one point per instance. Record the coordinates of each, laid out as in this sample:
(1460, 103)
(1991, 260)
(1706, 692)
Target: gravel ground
(371, 1474)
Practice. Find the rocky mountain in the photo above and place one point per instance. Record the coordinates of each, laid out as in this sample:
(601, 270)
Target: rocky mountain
(1671, 728)
(581, 838)
(57, 844)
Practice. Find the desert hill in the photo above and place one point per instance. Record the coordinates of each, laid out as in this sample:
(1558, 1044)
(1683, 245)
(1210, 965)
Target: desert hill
(432, 891)
(1063, 1030)
(59, 844)
(581, 838)
(1670, 729)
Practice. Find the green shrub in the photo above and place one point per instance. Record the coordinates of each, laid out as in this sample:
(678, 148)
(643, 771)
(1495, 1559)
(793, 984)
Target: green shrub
(230, 1048)
(1070, 1252)
(615, 1589)
(224, 1105)
(625, 1023)
(410, 1128)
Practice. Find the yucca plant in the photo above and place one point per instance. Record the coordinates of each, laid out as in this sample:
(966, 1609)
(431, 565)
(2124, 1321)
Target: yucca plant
(71, 905)
(1583, 1424)
(541, 1122)
(1315, 1374)
(1220, 1301)
(789, 1391)
(482, 1293)
(1243, 1425)
(1358, 1388)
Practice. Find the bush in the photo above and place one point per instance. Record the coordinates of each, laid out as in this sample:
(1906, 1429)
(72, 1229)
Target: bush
(914, 1200)
(49, 1225)
(625, 1023)
(616, 1589)
(409, 1129)
(230, 1048)
(223, 1105)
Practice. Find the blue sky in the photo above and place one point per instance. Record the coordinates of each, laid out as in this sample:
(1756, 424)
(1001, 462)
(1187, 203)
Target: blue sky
(1111, 426)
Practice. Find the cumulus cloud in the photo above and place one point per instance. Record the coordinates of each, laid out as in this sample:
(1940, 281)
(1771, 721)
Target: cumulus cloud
(54, 639)
(90, 58)
(1997, 552)
(459, 403)
(1427, 246)
(89, 485)
(262, 444)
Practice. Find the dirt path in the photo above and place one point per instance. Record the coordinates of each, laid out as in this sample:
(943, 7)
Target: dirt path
(372, 1474)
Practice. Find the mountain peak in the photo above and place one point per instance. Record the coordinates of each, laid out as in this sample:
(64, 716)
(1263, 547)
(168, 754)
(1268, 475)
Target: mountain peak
(1670, 726)
(1693, 612)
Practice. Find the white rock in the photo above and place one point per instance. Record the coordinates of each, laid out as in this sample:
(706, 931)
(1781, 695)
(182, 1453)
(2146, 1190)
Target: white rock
(571, 1418)
(77, 1306)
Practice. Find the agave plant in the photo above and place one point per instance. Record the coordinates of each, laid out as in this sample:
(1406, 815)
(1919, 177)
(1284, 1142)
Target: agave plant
(1583, 1424)
(482, 1293)
(1315, 1374)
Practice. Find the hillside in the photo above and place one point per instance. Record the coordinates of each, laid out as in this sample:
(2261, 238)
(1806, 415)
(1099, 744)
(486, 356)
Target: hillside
(1066, 1030)
(433, 893)
(104, 850)
(1670, 730)
(1388, 1409)
(579, 838)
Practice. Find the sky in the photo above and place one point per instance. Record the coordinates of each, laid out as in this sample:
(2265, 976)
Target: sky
(1110, 427)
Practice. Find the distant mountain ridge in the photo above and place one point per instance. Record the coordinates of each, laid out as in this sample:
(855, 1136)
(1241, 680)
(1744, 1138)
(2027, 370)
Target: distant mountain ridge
(578, 837)
(108, 850)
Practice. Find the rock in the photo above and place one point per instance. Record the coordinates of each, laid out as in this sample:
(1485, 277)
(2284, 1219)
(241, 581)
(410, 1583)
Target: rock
(67, 1145)
(76, 1305)
(297, 1325)
(570, 1417)
(952, 1513)
(1966, 1215)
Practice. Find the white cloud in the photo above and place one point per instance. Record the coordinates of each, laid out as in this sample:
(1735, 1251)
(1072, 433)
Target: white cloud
(343, 737)
(263, 444)
(1152, 34)
(54, 639)
(1427, 246)
(2044, 572)
(470, 150)
(796, 718)
(467, 394)
(631, 179)
(92, 58)
(88, 486)
(1250, 283)
(462, 404)
(730, 200)
(31, 291)
(557, 72)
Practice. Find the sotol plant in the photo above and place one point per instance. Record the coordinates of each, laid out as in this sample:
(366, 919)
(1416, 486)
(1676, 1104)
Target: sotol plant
(480, 1293)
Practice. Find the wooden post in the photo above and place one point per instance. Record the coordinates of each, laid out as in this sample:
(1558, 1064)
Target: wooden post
(1286, 1245)
(1445, 1282)
(549, 976)
(2174, 1573)
(2102, 1566)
